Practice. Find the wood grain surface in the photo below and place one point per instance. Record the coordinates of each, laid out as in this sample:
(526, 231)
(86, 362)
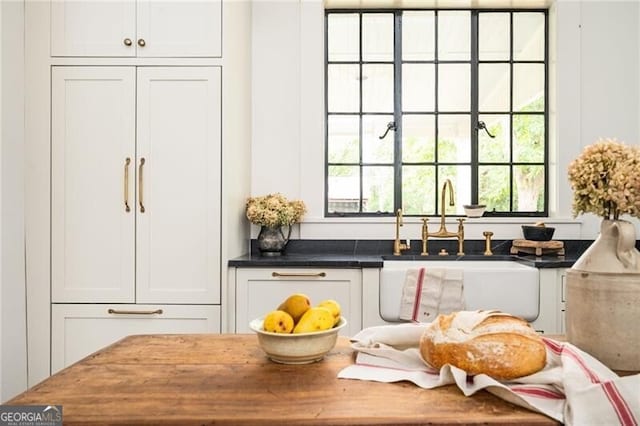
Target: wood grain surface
(227, 380)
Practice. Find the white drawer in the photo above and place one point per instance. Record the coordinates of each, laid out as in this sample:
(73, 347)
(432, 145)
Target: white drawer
(79, 330)
(261, 290)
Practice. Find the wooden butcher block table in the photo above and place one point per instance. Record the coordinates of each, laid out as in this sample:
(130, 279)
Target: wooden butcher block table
(227, 379)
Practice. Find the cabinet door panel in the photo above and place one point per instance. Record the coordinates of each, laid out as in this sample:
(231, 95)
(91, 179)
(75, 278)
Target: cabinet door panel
(178, 234)
(180, 29)
(92, 234)
(79, 330)
(93, 28)
(259, 292)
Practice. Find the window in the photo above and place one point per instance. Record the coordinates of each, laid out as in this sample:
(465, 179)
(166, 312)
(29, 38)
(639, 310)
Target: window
(461, 95)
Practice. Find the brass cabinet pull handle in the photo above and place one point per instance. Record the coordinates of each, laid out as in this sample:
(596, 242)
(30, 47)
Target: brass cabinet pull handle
(141, 42)
(126, 185)
(125, 312)
(140, 182)
(298, 274)
(127, 41)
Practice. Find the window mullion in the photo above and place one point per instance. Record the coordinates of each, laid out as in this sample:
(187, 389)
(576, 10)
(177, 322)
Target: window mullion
(474, 107)
(511, 158)
(397, 109)
(360, 116)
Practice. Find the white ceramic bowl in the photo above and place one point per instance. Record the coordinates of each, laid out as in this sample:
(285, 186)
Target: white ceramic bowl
(301, 348)
(474, 210)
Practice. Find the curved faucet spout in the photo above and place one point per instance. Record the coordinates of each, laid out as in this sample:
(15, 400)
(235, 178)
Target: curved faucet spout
(447, 184)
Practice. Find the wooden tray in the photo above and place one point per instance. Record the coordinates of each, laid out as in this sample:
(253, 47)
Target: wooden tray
(538, 247)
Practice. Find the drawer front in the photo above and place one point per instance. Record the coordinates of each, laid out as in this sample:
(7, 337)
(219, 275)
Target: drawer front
(78, 330)
(261, 290)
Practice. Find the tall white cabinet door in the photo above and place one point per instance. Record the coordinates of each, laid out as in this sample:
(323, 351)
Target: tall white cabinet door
(92, 136)
(179, 28)
(93, 28)
(178, 211)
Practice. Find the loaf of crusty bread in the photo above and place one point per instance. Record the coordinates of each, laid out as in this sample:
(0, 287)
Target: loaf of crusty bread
(484, 342)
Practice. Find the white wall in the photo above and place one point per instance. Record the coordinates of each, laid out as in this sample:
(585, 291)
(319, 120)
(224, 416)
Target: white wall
(610, 71)
(13, 354)
(594, 79)
(1, 127)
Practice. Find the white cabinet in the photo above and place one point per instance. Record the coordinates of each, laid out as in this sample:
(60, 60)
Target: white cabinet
(260, 290)
(79, 330)
(135, 193)
(140, 28)
(551, 312)
(562, 305)
(95, 100)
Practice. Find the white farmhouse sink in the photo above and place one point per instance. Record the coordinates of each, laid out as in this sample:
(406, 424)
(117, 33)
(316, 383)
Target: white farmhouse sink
(493, 284)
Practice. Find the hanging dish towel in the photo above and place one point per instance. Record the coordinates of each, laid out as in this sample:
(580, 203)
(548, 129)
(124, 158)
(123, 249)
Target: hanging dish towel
(573, 388)
(428, 292)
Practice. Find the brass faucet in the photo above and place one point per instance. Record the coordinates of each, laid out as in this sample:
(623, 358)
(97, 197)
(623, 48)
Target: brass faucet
(398, 247)
(442, 232)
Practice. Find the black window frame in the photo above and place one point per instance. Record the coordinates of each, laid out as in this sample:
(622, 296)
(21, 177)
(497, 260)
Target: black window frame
(474, 114)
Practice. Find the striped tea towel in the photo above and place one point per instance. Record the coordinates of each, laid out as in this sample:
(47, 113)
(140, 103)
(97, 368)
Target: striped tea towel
(428, 292)
(573, 388)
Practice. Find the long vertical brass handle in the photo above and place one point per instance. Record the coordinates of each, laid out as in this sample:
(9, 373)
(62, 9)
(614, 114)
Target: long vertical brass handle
(140, 186)
(126, 185)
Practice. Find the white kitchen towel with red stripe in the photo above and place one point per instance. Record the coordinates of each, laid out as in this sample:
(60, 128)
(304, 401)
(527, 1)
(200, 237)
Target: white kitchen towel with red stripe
(428, 292)
(573, 388)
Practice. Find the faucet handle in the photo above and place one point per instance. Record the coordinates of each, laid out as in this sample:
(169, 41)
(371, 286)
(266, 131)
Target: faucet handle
(487, 249)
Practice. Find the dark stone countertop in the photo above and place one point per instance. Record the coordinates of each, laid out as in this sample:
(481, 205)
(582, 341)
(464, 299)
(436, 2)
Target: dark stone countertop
(372, 254)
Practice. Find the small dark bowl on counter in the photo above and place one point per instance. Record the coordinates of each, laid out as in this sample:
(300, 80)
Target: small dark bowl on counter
(537, 233)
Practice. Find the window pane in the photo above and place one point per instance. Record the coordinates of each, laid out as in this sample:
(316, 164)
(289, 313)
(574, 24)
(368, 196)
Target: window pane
(342, 138)
(418, 87)
(494, 42)
(416, 198)
(454, 87)
(343, 88)
(454, 35)
(374, 149)
(377, 88)
(493, 187)
(343, 37)
(343, 189)
(377, 37)
(460, 177)
(528, 188)
(493, 87)
(528, 138)
(528, 87)
(418, 138)
(377, 188)
(528, 36)
(418, 36)
(494, 150)
(454, 139)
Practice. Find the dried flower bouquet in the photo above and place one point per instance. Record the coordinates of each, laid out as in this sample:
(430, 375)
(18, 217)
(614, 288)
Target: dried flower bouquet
(274, 210)
(605, 180)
